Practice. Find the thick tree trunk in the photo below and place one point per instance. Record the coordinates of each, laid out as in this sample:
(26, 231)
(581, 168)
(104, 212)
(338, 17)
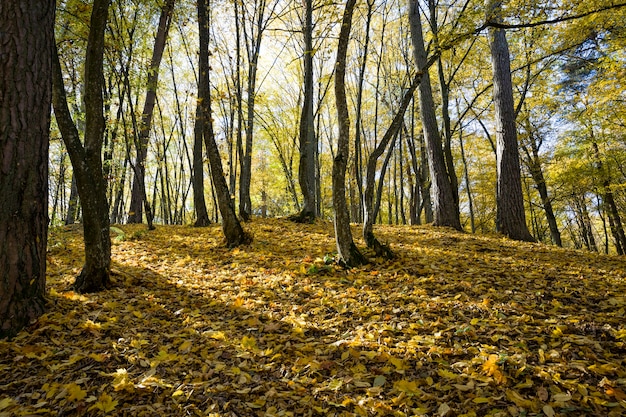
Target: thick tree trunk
(26, 45)
(138, 196)
(86, 160)
(510, 212)
(308, 140)
(233, 231)
(347, 252)
(445, 212)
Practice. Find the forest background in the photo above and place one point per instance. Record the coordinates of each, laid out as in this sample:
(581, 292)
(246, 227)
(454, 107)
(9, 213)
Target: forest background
(503, 117)
(568, 88)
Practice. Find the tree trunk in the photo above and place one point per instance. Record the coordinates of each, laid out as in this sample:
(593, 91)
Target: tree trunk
(615, 221)
(26, 45)
(347, 252)
(202, 215)
(510, 213)
(138, 196)
(308, 140)
(445, 111)
(358, 163)
(72, 205)
(468, 184)
(370, 210)
(86, 160)
(233, 231)
(445, 212)
(536, 172)
(413, 179)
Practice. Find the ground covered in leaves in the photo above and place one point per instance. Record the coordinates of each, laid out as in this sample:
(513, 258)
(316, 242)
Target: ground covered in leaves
(458, 324)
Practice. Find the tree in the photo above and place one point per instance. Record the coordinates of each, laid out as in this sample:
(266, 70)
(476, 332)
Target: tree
(510, 215)
(25, 97)
(138, 196)
(308, 140)
(253, 35)
(347, 252)
(233, 231)
(445, 208)
(201, 123)
(371, 207)
(87, 159)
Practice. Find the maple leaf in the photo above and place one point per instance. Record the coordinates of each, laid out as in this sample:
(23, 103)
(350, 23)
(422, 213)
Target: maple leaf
(491, 368)
(76, 393)
(105, 403)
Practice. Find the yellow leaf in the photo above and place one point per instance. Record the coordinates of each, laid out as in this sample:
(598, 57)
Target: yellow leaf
(491, 368)
(98, 357)
(239, 302)
(248, 343)
(121, 381)
(519, 400)
(258, 403)
(105, 403)
(410, 387)
(6, 403)
(548, 411)
(185, 346)
(335, 384)
(217, 335)
(480, 400)
(443, 409)
(76, 393)
(398, 363)
(446, 374)
(178, 393)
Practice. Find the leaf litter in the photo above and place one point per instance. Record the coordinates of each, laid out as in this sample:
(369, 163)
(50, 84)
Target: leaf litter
(456, 325)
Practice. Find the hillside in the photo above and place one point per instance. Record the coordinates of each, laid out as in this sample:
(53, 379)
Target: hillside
(458, 324)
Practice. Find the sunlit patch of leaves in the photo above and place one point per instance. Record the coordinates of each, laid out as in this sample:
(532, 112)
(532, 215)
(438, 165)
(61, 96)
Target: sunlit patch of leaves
(457, 324)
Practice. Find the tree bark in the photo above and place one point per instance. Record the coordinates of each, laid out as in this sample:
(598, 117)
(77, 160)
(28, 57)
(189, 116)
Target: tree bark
(138, 195)
(26, 44)
(347, 252)
(308, 140)
(202, 215)
(86, 159)
(510, 212)
(445, 212)
(233, 232)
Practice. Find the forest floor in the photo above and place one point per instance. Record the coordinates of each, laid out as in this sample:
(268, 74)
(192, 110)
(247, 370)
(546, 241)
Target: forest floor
(458, 324)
